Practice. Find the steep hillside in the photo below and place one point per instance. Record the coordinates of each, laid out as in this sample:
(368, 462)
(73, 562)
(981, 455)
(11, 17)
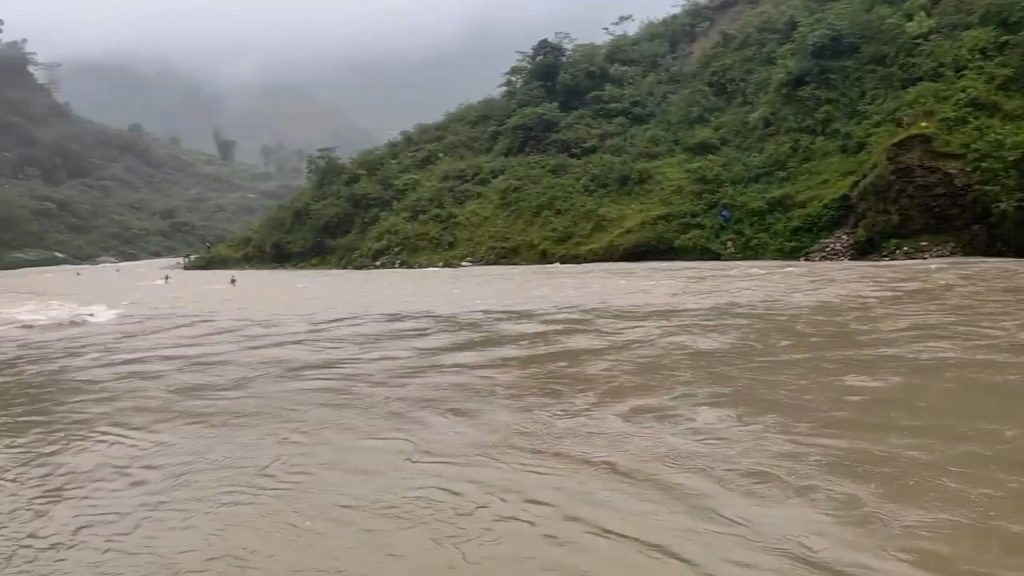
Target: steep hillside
(168, 102)
(85, 190)
(731, 129)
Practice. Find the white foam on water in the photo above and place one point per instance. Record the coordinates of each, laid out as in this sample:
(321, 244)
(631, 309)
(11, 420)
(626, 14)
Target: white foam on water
(54, 313)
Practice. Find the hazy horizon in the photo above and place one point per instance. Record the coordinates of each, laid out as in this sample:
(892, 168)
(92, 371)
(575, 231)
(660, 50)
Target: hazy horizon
(389, 64)
(232, 35)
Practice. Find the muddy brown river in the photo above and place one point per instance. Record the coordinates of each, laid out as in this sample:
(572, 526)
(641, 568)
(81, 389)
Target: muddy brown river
(724, 419)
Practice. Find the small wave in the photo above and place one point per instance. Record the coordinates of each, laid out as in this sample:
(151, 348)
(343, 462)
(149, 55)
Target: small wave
(35, 314)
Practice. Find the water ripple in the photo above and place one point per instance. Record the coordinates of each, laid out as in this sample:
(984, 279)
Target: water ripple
(722, 418)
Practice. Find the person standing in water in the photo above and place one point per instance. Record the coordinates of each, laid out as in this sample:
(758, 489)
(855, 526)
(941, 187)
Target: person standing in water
(167, 278)
(233, 281)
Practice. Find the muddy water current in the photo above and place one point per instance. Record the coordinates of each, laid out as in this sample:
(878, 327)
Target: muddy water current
(724, 419)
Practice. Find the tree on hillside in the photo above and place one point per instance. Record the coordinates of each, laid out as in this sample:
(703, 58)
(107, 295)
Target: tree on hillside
(266, 156)
(282, 160)
(535, 74)
(225, 146)
(13, 51)
(620, 27)
(16, 58)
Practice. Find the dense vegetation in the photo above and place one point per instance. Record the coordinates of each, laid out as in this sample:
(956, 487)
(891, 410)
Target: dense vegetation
(899, 119)
(85, 190)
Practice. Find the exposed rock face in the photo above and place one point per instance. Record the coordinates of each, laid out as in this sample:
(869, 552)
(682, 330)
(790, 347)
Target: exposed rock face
(916, 193)
(836, 248)
(841, 246)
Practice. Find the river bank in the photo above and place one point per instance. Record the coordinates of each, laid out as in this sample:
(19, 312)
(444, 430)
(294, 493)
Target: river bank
(835, 249)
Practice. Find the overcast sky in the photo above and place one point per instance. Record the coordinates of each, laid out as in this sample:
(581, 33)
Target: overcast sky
(247, 32)
(390, 63)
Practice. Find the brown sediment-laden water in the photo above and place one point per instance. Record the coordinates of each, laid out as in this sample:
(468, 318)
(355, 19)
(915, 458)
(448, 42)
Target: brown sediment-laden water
(724, 419)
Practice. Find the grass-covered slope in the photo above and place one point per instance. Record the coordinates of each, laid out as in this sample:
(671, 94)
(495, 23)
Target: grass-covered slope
(85, 190)
(900, 119)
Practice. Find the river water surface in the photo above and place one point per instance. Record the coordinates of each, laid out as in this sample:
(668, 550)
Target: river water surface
(723, 419)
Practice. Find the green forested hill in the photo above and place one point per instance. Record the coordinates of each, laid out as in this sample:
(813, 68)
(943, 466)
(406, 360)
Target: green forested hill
(85, 190)
(897, 119)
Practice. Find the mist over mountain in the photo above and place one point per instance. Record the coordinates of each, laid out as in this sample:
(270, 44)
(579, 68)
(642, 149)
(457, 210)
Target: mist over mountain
(73, 190)
(394, 93)
(730, 129)
(171, 102)
(272, 79)
(306, 73)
